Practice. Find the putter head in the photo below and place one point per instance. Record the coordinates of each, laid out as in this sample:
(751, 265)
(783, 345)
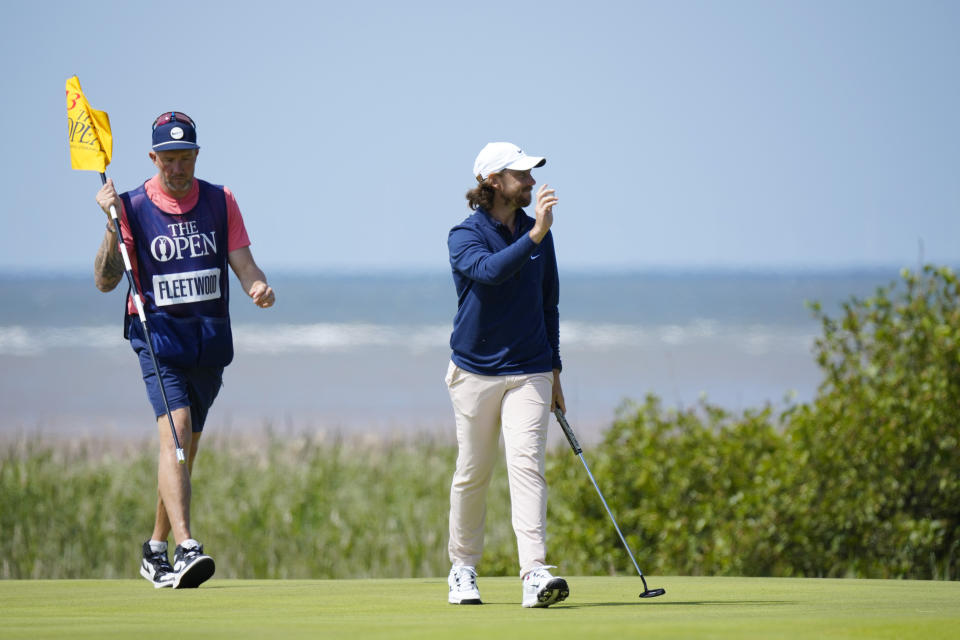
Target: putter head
(653, 593)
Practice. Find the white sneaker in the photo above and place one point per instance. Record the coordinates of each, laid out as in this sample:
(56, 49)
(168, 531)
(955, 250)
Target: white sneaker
(463, 586)
(155, 567)
(191, 566)
(540, 589)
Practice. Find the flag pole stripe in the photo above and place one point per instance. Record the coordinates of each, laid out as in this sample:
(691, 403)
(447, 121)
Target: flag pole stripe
(128, 269)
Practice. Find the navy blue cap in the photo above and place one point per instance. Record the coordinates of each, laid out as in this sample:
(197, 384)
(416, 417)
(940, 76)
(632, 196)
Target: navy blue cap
(174, 130)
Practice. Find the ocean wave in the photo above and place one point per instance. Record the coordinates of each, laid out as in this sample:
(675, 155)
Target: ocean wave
(318, 337)
(27, 341)
(752, 339)
(291, 338)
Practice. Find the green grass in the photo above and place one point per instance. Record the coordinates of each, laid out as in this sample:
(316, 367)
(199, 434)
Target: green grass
(599, 607)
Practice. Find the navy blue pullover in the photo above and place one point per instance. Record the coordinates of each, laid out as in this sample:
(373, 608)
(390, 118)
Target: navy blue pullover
(507, 319)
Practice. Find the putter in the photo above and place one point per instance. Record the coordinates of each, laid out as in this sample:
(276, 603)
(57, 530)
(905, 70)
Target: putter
(572, 439)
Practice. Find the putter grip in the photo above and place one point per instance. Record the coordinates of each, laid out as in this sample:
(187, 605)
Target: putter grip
(567, 431)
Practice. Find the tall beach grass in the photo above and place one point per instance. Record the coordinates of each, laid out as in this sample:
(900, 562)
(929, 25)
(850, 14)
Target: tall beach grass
(266, 506)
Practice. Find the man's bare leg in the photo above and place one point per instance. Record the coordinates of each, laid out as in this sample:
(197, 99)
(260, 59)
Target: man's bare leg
(191, 567)
(173, 478)
(161, 527)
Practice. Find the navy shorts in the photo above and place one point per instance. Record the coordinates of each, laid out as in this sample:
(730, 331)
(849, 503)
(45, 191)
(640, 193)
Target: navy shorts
(196, 388)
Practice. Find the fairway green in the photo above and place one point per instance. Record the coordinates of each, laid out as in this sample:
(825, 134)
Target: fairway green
(599, 607)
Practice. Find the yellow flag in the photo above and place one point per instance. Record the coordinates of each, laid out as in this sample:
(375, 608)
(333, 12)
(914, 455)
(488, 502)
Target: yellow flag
(91, 143)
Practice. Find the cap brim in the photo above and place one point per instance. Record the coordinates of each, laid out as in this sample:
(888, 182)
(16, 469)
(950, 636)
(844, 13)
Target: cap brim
(526, 162)
(175, 146)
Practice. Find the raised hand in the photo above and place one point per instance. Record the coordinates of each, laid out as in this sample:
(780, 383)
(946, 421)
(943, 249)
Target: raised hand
(546, 200)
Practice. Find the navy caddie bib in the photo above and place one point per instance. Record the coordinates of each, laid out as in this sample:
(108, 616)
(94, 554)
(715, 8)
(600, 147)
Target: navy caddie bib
(182, 272)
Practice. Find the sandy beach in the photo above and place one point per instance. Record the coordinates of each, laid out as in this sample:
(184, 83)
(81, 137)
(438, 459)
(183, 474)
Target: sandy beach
(383, 389)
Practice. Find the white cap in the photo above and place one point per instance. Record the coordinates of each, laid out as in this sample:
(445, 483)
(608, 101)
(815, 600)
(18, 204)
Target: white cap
(497, 156)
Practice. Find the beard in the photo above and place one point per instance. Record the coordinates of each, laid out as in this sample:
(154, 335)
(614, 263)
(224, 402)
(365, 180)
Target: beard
(179, 184)
(519, 198)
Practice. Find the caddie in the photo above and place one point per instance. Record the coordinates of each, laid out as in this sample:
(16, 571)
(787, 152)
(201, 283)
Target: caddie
(180, 233)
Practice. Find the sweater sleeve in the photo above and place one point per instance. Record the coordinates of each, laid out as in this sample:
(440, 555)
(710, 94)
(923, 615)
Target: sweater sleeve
(471, 256)
(551, 299)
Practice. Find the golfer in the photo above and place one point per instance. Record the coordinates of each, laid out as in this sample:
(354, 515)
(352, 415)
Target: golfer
(180, 234)
(504, 373)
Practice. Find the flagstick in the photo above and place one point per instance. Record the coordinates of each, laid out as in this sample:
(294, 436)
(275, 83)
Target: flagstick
(143, 320)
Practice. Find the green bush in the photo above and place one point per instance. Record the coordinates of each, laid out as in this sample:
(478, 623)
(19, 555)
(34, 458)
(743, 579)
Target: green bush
(863, 481)
(880, 443)
(691, 490)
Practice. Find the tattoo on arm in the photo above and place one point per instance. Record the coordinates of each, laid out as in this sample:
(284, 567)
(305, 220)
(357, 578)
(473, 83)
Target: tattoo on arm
(108, 265)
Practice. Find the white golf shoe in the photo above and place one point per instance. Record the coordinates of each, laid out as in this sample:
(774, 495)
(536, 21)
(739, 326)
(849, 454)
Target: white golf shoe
(541, 589)
(462, 582)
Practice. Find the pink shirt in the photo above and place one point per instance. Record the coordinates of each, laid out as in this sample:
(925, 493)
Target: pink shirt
(236, 231)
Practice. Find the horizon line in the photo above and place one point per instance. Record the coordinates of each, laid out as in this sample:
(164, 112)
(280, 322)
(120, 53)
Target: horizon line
(611, 270)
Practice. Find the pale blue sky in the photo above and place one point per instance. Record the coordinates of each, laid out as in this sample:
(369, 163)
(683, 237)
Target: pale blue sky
(678, 134)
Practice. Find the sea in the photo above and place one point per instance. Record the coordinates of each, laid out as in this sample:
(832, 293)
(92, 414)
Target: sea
(366, 353)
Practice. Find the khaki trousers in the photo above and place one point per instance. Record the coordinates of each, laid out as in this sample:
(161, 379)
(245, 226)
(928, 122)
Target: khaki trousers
(520, 404)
